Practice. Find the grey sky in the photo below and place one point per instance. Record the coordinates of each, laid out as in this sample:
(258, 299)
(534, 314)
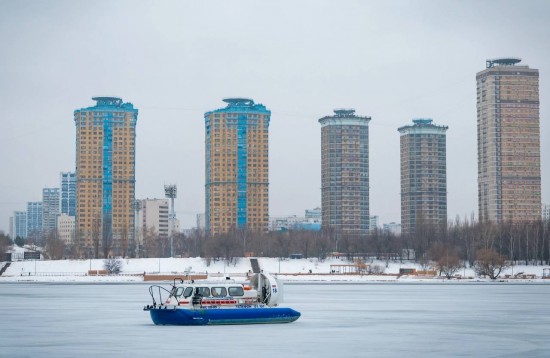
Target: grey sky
(175, 60)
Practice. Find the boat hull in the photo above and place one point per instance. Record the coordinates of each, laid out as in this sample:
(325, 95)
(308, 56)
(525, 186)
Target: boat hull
(226, 316)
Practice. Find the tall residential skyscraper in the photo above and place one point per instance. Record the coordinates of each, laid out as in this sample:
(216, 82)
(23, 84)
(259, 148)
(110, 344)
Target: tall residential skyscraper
(34, 219)
(508, 142)
(68, 193)
(237, 178)
(345, 173)
(105, 173)
(423, 176)
(50, 209)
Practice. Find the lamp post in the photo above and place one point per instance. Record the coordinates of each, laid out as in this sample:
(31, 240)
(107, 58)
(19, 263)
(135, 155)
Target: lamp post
(171, 192)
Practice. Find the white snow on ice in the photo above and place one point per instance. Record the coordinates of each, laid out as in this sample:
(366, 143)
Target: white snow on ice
(289, 270)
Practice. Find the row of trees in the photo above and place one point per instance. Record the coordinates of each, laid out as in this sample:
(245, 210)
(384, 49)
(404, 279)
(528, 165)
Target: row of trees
(461, 241)
(527, 243)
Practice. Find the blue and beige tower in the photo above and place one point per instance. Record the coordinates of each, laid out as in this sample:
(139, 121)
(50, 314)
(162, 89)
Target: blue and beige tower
(105, 172)
(345, 173)
(508, 142)
(423, 176)
(237, 176)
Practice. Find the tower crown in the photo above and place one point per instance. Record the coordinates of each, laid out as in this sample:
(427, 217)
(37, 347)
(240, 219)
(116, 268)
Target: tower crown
(344, 112)
(422, 121)
(108, 101)
(503, 61)
(238, 101)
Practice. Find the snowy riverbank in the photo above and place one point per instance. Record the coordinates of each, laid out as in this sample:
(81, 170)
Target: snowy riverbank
(333, 270)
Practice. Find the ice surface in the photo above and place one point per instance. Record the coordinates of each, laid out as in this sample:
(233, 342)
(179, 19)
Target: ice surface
(351, 320)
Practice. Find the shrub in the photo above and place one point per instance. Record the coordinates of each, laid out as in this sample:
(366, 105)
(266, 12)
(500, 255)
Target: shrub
(113, 266)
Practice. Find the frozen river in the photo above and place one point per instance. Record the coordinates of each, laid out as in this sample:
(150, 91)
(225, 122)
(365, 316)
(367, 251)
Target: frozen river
(364, 320)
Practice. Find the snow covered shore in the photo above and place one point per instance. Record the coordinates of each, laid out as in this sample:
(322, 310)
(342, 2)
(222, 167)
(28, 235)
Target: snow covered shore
(333, 270)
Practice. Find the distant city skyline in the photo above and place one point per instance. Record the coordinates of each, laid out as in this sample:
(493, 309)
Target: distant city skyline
(390, 59)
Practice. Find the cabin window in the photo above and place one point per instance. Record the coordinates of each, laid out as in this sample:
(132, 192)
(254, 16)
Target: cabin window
(178, 292)
(188, 292)
(219, 291)
(203, 291)
(236, 291)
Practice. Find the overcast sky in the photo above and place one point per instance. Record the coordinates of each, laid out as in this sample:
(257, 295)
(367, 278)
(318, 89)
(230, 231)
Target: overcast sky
(175, 60)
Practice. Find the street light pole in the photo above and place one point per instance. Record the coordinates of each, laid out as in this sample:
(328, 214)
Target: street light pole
(171, 191)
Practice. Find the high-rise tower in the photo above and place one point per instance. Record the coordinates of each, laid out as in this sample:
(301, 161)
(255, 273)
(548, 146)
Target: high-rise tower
(423, 176)
(345, 173)
(237, 178)
(20, 224)
(68, 193)
(34, 219)
(105, 174)
(508, 142)
(50, 209)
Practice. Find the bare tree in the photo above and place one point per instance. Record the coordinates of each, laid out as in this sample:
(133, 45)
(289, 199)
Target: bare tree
(107, 235)
(489, 263)
(96, 231)
(124, 240)
(446, 258)
(55, 248)
(181, 244)
(425, 262)
(545, 240)
(151, 243)
(449, 264)
(5, 242)
(225, 246)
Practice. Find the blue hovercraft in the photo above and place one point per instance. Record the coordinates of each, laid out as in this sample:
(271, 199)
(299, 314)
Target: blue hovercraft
(190, 303)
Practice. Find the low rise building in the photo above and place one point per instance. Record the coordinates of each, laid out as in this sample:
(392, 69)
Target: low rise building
(65, 228)
(545, 212)
(154, 216)
(392, 228)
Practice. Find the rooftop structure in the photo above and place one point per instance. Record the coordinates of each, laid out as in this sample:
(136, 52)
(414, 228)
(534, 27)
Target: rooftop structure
(503, 61)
